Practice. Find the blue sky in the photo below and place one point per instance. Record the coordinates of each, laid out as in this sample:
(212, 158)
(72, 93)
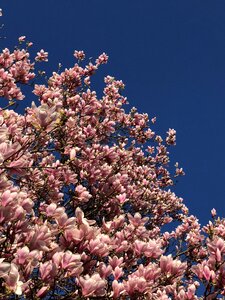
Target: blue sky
(171, 56)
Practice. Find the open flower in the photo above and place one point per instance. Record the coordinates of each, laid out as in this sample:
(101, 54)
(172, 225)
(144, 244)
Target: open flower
(42, 56)
(92, 285)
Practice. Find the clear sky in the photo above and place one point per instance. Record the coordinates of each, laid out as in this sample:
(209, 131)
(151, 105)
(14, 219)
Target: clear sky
(171, 56)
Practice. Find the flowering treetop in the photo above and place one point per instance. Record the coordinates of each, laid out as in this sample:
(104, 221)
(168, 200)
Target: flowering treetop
(85, 192)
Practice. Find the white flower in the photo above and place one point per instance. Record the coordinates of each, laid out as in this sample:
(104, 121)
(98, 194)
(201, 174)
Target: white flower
(18, 288)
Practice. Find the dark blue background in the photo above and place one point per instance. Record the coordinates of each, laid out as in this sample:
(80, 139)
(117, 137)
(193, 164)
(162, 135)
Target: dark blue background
(171, 56)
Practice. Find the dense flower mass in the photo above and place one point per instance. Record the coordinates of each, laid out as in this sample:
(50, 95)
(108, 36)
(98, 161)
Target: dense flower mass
(85, 194)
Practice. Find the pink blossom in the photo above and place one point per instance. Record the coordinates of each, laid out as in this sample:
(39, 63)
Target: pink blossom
(115, 261)
(104, 271)
(80, 55)
(170, 266)
(117, 273)
(22, 38)
(122, 198)
(118, 289)
(102, 59)
(171, 138)
(92, 285)
(68, 261)
(12, 280)
(82, 193)
(42, 56)
(48, 271)
(213, 212)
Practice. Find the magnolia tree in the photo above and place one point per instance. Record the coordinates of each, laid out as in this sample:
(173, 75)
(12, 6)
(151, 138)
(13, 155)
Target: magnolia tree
(85, 195)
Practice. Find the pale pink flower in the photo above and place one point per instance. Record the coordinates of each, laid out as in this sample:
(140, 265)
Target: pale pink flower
(12, 280)
(42, 56)
(102, 59)
(72, 154)
(115, 261)
(217, 248)
(213, 212)
(122, 198)
(80, 55)
(153, 120)
(22, 38)
(204, 271)
(171, 137)
(93, 285)
(179, 172)
(98, 247)
(69, 262)
(82, 194)
(191, 291)
(48, 270)
(118, 289)
(207, 273)
(87, 80)
(117, 272)
(171, 266)
(74, 235)
(104, 271)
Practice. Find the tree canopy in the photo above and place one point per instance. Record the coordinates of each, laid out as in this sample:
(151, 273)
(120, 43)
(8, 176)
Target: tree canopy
(86, 194)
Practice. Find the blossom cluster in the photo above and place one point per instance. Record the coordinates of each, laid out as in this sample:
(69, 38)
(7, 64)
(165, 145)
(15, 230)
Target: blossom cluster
(86, 195)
